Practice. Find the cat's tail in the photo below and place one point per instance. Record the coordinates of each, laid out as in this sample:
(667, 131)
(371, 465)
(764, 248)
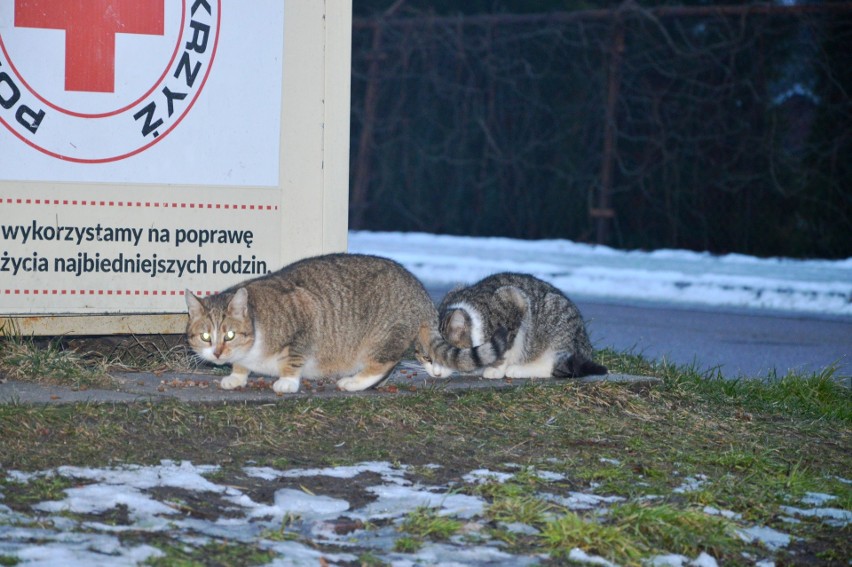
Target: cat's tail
(577, 366)
(440, 357)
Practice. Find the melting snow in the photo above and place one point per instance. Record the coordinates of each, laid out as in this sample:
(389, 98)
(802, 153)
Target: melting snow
(816, 498)
(396, 501)
(677, 276)
(308, 506)
(831, 516)
(481, 476)
(771, 538)
(70, 531)
(724, 513)
(581, 556)
(691, 484)
(675, 560)
(581, 500)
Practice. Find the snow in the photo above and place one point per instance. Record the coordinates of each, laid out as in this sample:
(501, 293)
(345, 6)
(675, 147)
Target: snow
(584, 270)
(831, 516)
(385, 470)
(691, 484)
(481, 476)
(396, 501)
(816, 498)
(675, 560)
(771, 538)
(309, 506)
(731, 515)
(581, 500)
(62, 531)
(580, 556)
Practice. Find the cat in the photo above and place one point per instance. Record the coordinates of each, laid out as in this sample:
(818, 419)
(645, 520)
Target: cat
(345, 316)
(549, 335)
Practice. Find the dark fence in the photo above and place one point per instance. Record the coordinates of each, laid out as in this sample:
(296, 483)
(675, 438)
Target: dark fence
(725, 128)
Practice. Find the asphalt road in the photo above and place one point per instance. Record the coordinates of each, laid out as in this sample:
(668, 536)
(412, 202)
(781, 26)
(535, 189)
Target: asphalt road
(740, 342)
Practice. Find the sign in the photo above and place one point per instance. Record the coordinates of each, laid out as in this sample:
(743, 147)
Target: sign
(148, 146)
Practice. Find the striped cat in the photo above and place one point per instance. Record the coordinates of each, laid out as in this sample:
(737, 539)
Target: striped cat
(346, 316)
(550, 337)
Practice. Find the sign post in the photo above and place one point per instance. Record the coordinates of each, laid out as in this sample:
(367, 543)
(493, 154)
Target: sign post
(151, 146)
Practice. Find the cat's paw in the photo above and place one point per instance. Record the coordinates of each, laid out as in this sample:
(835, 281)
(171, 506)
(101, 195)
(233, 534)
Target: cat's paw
(436, 370)
(233, 381)
(494, 372)
(527, 371)
(353, 384)
(286, 385)
(514, 371)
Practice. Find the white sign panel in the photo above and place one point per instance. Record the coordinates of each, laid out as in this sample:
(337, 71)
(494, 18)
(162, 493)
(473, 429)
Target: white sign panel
(150, 146)
(98, 82)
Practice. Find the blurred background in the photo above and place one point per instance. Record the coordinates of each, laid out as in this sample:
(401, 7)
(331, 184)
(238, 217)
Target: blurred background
(641, 125)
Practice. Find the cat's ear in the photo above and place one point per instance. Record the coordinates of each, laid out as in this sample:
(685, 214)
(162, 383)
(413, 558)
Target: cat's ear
(457, 320)
(193, 304)
(512, 295)
(238, 306)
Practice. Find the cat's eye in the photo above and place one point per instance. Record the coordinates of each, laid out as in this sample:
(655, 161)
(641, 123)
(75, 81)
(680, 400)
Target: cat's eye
(205, 337)
(229, 336)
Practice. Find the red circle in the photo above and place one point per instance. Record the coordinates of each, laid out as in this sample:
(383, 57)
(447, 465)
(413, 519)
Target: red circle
(152, 142)
(103, 114)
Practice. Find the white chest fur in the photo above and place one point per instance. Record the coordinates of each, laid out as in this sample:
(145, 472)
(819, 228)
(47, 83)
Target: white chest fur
(257, 360)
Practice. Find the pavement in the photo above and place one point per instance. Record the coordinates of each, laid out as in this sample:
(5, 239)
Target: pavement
(408, 377)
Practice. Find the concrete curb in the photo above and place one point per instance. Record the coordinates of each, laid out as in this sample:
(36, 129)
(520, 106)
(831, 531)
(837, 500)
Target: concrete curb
(407, 377)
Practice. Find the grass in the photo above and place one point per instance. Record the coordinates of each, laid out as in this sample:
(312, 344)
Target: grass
(210, 554)
(82, 363)
(661, 527)
(758, 444)
(50, 362)
(571, 531)
(426, 523)
(37, 489)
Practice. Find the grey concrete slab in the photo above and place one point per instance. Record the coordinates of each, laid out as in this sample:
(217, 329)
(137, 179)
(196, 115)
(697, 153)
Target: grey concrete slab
(407, 377)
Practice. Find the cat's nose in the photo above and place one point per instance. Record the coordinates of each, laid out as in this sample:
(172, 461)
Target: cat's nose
(217, 352)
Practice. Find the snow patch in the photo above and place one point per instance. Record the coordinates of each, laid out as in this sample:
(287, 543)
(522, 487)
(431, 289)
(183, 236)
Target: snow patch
(771, 538)
(581, 556)
(691, 484)
(816, 498)
(831, 516)
(671, 276)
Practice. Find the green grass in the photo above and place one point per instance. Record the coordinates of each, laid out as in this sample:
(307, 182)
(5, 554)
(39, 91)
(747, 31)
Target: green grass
(37, 489)
(87, 362)
(523, 509)
(666, 528)
(210, 554)
(573, 531)
(50, 362)
(426, 523)
(407, 544)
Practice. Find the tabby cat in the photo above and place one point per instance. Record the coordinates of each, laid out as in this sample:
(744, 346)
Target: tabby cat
(550, 337)
(346, 316)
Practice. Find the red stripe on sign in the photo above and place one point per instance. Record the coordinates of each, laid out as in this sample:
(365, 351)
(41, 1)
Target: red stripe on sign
(136, 204)
(164, 293)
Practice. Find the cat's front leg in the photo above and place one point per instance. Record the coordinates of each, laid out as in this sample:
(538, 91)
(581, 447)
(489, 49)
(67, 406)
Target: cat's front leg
(495, 372)
(289, 372)
(237, 379)
(287, 385)
(436, 370)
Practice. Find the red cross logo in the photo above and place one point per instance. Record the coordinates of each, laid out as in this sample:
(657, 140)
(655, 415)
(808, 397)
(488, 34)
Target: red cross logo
(90, 28)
